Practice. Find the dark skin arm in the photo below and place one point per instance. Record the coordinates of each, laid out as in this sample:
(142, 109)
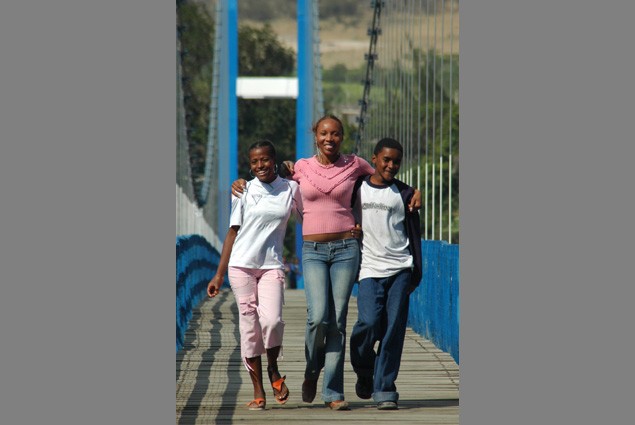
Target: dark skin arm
(216, 282)
(415, 202)
(238, 187)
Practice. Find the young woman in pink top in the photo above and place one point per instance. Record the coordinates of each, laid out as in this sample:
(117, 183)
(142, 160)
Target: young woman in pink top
(330, 255)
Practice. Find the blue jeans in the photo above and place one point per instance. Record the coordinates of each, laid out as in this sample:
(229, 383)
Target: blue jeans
(382, 316)
(330, 269)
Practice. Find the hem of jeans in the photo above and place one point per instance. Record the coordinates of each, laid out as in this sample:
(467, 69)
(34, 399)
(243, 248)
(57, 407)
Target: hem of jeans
(378, 397)
(332, 398)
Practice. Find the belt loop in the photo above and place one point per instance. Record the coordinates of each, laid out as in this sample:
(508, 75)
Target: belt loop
(314, 246)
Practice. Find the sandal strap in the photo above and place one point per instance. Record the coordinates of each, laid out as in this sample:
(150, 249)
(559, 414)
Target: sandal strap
(257, 402)
(277, 385)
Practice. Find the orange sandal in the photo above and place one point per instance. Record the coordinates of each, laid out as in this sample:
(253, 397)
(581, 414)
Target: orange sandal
(278, 390)
(257, 404)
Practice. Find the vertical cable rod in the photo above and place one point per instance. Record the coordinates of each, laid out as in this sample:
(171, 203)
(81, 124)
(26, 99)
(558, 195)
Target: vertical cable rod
(442, 91)
(212, 135)
(427, 127)
(450, 124)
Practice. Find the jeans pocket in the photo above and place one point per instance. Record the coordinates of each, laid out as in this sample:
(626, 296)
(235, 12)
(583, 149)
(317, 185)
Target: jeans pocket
(247, 305)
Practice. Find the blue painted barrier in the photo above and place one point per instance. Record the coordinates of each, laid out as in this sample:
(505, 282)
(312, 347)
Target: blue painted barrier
(434, 305)
(196, 263)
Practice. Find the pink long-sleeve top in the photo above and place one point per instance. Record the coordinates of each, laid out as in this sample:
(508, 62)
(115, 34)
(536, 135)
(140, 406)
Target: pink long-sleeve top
(326, 192)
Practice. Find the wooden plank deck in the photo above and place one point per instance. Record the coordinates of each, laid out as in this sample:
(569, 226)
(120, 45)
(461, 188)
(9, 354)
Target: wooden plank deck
(212, 385)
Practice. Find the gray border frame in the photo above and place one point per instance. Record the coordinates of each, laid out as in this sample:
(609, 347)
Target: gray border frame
(87, 166)
(86, 175)
(547, 99)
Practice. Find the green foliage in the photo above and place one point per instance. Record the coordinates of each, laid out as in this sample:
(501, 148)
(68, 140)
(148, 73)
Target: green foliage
(260, 53)
(266, 10)
(348, 144)
(337, 74)
(435, 97)
(272, 119)
(342, 86)
(196, 34)
(437, 132)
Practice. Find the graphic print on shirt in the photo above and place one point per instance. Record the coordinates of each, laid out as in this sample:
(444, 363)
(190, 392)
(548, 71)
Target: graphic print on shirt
(256, 197)
(377, 206)
(385, 249)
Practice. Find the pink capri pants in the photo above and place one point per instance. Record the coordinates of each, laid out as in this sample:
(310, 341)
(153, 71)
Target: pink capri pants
(260, 296)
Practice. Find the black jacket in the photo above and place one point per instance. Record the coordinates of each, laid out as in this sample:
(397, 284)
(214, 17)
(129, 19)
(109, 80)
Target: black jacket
(412, 224)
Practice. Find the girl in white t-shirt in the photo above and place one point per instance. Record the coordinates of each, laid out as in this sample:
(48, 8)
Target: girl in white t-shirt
(252, 257)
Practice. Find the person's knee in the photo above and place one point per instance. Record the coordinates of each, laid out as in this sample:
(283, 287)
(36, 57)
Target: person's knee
(369, 314)
(369, 324)
(271, 323)
(317, 317)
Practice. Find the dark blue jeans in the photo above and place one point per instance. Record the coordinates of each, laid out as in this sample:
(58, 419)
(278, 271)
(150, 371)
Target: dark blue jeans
(382, 305)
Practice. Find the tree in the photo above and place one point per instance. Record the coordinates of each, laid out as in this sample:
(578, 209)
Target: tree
(196, 34)
(260, 53)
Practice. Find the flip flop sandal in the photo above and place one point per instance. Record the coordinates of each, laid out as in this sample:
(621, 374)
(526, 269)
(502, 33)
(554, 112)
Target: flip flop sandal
(257, 404)
(277, 390)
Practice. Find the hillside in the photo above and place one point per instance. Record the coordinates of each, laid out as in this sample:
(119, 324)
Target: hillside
(343, 27)
(340, 42)
(344, 40)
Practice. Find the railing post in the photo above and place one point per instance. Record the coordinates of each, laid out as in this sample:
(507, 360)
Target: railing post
(305, 101)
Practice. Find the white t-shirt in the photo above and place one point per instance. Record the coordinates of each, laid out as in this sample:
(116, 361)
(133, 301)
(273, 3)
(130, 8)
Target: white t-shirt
(262, 213)
(385, 249)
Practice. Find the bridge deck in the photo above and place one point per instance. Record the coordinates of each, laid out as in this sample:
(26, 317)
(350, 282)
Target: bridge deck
(212, 386)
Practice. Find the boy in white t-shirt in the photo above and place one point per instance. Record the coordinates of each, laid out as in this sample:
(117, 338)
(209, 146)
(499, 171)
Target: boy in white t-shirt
(390, 270)
(252, 258)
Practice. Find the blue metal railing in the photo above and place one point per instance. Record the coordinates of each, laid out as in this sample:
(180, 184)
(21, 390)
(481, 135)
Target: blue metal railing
(196, 264)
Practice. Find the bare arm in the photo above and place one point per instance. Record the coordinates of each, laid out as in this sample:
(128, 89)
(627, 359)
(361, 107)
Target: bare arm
(214, 285)
(415, 201)
(298, 208)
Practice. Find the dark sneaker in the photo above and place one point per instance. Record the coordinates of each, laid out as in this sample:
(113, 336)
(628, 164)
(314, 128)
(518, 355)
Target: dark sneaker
(364, 387)
(387, 405)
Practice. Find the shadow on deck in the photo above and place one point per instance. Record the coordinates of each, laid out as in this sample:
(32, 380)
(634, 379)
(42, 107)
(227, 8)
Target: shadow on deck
(213, 387)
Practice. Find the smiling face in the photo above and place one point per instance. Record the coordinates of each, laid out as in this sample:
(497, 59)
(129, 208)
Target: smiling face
(387, 162)
(328, 136)
(262, 164)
